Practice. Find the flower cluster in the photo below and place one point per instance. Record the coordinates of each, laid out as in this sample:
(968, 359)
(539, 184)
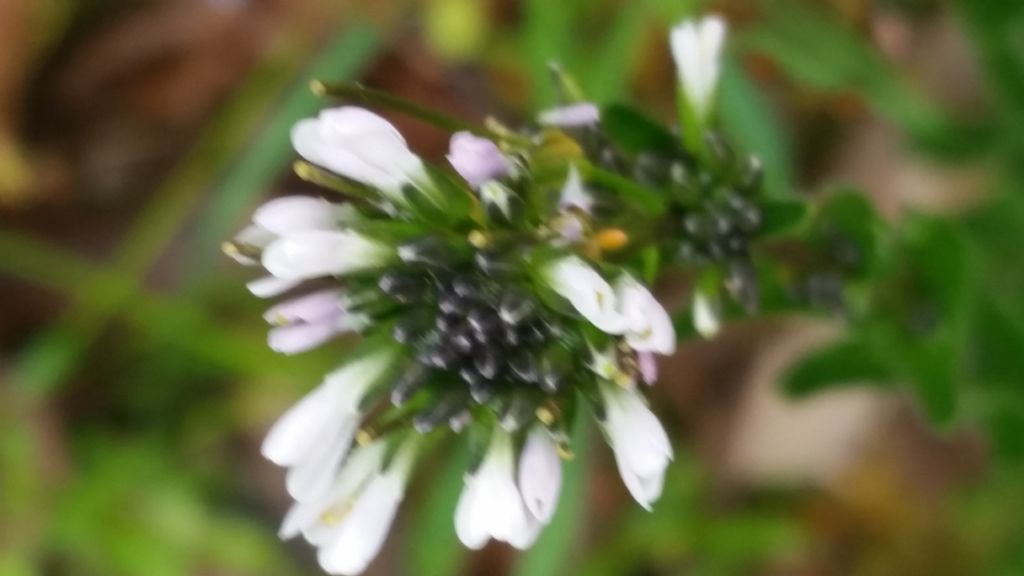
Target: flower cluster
(491, 302)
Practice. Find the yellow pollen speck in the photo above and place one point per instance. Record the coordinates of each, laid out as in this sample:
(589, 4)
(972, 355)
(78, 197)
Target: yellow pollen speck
(546, 415)
(364, 436)
(478, 239)
(564, 452)
(612, 239)
(318, 87)
(304, 170)
(229, 248)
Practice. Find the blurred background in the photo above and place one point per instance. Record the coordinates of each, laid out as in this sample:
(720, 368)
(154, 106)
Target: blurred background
(136, 385)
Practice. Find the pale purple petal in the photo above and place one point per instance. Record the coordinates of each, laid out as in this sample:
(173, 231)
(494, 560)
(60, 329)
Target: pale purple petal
(311, 308)
(648, 365)
(300, 338)
(477, 159)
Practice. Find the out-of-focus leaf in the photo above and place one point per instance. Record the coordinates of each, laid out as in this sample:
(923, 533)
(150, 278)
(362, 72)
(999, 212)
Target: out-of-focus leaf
(934, 371)
(848, 214)
(848, 362)
(996, 345)
(635, 132)
(817, 49)
(271, 151)
(780, 216)
(936, 251)
(749, 119)
(434, 548)
(548, 37)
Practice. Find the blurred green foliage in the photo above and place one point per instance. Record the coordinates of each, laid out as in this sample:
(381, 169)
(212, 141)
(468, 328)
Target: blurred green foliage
(146, 487)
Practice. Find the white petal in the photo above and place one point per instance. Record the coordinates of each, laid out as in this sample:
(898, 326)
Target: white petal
(359, 145)
(294, 213)
(295, 434)
(353, 379)
(470, 526)
(497, 194)
(490, 505)
(641, 446)
(571, 116)
(540, 474)
(588, 293)
(574, 194)
(315, 253)
(650, 328)
(707, 318)
(313, 476)
(318, 518)
(313, 418)
(271, 286)
(696, 48)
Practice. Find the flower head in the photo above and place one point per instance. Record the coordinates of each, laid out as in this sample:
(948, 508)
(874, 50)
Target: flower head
(484, 321)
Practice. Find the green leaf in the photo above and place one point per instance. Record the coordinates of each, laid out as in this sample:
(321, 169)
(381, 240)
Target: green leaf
(781, 216)
(848, 213)
(434, 548)
(934, 370)
(818, 49)
(635, 132)
(850, 361)
(749, 119)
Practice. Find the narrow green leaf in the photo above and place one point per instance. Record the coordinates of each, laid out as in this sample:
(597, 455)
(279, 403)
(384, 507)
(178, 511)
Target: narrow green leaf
(748, 118)
(434, 548)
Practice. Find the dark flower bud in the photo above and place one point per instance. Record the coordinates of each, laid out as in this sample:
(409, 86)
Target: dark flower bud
(408, 384)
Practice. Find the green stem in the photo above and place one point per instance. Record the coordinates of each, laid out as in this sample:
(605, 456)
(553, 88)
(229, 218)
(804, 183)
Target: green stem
(356, 92)
(650, 201)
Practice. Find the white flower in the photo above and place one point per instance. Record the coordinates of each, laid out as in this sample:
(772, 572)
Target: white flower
(362, 146)
(314, 253)
(476, 159)
(697, 48)
(574, 194)
(648, 327)
(350, 521)
(540, 474)
(588, 293)
(571, 116)
(642, 450)
(312, 438)
(491, 505)
(707, 314)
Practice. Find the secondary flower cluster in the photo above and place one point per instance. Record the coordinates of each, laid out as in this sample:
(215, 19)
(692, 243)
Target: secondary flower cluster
(490, 302)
